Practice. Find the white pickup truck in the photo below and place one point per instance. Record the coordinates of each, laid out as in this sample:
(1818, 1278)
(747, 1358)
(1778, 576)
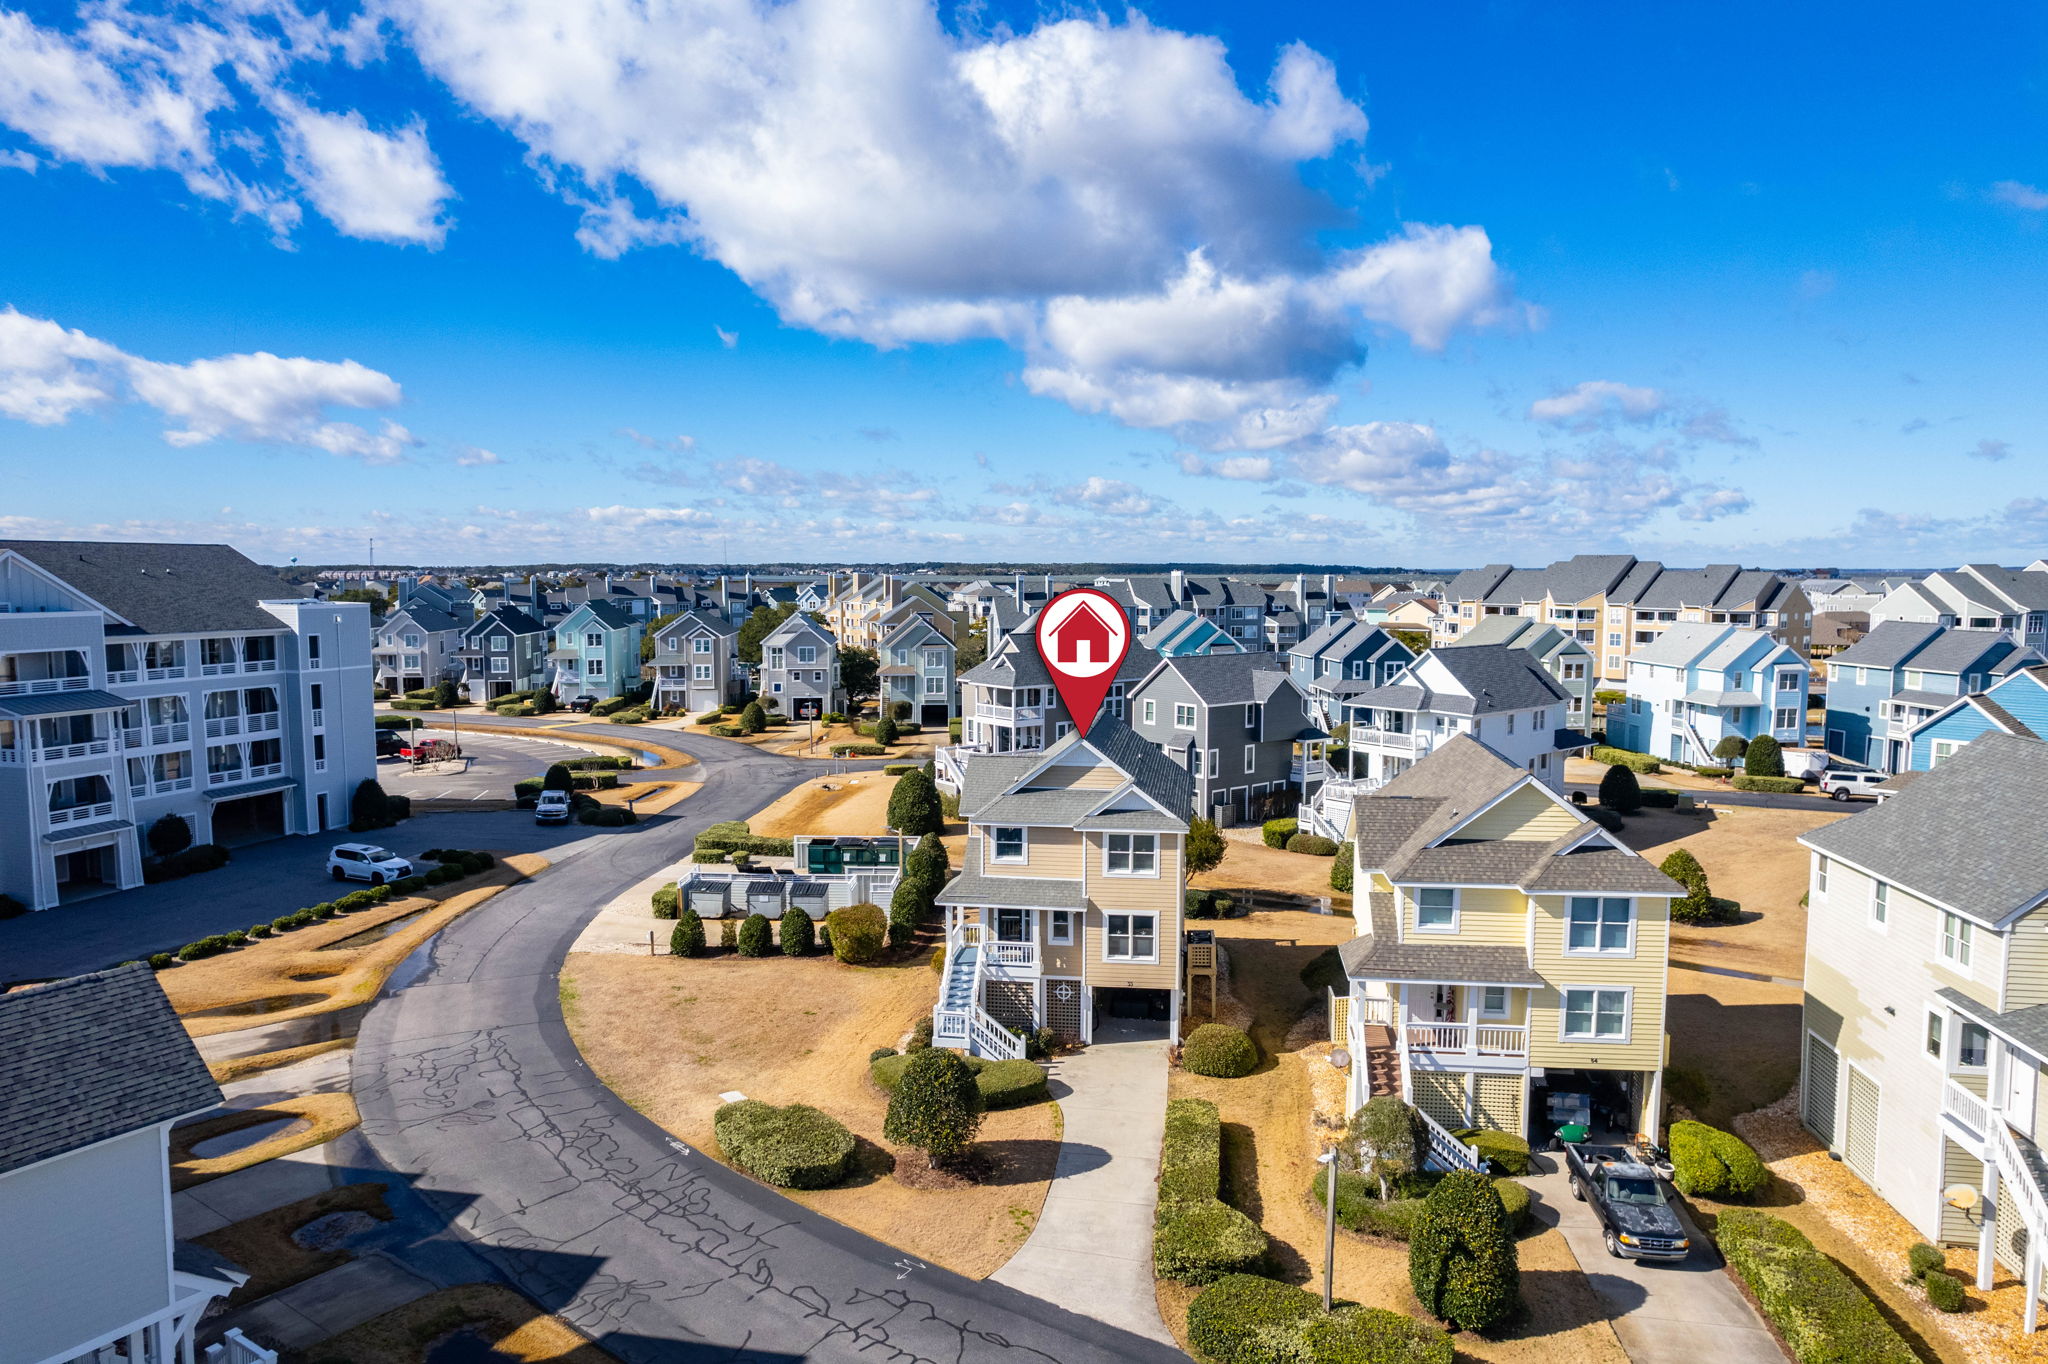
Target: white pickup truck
(552, 807)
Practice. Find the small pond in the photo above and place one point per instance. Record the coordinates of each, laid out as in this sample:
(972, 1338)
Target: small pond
(370, 935)
(242, 1138)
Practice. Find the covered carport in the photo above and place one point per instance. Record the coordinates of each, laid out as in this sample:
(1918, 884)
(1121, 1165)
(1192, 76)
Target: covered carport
(253, 813)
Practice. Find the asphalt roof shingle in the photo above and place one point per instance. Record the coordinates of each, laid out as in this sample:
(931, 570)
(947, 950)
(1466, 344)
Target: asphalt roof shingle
(165, 589)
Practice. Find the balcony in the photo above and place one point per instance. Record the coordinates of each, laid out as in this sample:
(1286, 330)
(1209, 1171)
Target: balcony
(219, 669)
(261, 770)
(91, 748)
(169, 674)
(82, 814)
(34, 685)
(1971, 1110)
(119, 676)
(262, 722)
(1011, 715)
(179, 732)
(1468, 1041)
(224, 778)
(222, 725)
(259, 665)
(1308, 769)
(1396, 740)
(1010, 956)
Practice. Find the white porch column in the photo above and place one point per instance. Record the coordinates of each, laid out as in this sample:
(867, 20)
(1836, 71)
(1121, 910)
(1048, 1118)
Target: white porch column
(1472, 998)
(1987, 1233)
(1653, 1105)
(1401, 1044)
(2033, 1280)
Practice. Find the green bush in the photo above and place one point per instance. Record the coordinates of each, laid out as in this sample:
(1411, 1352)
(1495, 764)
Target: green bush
(1783, 786)
(407, 703)
(1659, 798)
(914, 808)
(796, 1147)
(1510, 1153)
(1712, 771)
(1276, 832)
(1315, 845)
(686, 939)
(666, 901)
(607, 817)
(898, 769)
(1202, 1241)
(1191, 1151)
(756, 936)
(1606, 819)
(858, 750)
(707, 856)
(1360, 1209)
(1011, 1084)
(857, 933)
(1706, 1160)
(920, 1034)
(1341, 870)
(1817, 1308)
(1220, 1051)
(1944, 1290)
(398, 722)
(727, 731)
(160, 961)
(1462, 1261)
(1619, 790)
(798, 935)
(1233, 1319)
(753, 719)
(1325, 971)
(885, 731)
(1208, 904)
(409, 885)
(1514, 1198)
(908, 907)
(1697, 904)
(259, 930)
(1636, 762)
(1731, 746)
(936, 1106)
(1765, 757)
(1369, 1335)
(1923, 1257)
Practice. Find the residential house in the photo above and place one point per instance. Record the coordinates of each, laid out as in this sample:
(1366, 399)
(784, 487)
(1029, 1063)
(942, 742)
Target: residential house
(1239, 607)
(1559, 651)
(441, 597)
(1495, 693)
(917, 669)
(1008, 703)
(1699, 684)
(504, 650)
(94, 1072)
(1239, 725)
(800, 669)
(1975, 597)
(2016, 704)
(597, 651)
(1296, 611)
(1343, 658)
(1184, 632)
(1834, 631)
(696, 668)
(855, 605)
(1399, 610)
(144, 680)
(976, 600)
(1510, 966)
(1925, 1034)
(416, 647)
(1901, 673)
(1067, 906)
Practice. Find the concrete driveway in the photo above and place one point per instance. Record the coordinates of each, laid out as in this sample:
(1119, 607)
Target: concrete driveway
(1663, 1312)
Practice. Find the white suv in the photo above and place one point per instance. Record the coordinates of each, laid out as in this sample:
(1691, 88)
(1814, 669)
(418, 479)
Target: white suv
(1840, 784)
(366, 862)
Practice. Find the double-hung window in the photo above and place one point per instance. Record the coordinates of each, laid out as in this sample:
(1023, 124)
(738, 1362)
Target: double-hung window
(1956, 933)
(1436, 909)
(1973, 1046)
(1820, 875)
(1880, 904)
(701, 671)
(1590, 1013)
(1151, 712)
(1600, 924)
(1183, 716)
(1131, 855)
(1131, 937)
(1010, 845)
(1060, 932)
(807, 653)
(1936, 1021)
(1493, 1001)
(1251, 757)
(701, 644)
(593, 639)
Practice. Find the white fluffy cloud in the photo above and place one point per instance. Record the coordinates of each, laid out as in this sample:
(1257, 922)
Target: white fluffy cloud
(49, 372)
(378, 186)
(2020, 195)
(1597, 402)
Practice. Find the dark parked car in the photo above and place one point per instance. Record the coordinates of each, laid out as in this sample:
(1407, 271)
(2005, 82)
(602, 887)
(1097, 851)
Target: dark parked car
(582, 704)
(1629, 1200)
(390, 743)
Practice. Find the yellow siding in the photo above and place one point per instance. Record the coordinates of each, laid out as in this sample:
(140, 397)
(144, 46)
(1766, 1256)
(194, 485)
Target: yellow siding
(2026, 968)
(1491, 918)
(1527, 814)
(1960, 1167)
(1163, 975)
(1161, 892)
(1068, 776)
(1643, 974)
(1050, 852)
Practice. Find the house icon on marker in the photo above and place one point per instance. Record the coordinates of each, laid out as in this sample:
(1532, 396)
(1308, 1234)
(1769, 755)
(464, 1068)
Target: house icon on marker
(1083, 637)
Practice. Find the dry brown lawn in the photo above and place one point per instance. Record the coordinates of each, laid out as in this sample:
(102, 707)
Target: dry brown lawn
(319, 1118)
(801, 739)
(669, 1035)
(1269, 1160)
(1254, 865)
(649, 797)
(511, 1326)
(848, 803)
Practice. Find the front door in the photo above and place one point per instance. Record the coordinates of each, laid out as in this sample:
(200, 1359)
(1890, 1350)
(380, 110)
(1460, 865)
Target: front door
(1013, 925)
(2020, 1082)
(1443, 1003)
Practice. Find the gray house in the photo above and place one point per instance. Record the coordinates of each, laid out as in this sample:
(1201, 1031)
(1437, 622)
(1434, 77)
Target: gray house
(917, 669)
(1008, 703)
(693, 663)
(503, 651)
(800, 669)
(416, 647)
(1240, 726)
(1343, 657)
(1568, 661)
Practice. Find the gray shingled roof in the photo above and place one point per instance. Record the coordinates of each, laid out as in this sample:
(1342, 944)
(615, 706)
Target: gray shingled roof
(1599, 870)
(990, 775)
(1482, 862)
(89, 1058)
(61, 702)
(428, 618)
(1498, 677)
(971, 888)
(1122, 821)
(1162, 779)
(1586, 575)
(165, 589)
(1377, 955)
(1971, 834)
(1231, 678)
(1889, 643)
(1057, 808)
(1956, 651)
(610, 614)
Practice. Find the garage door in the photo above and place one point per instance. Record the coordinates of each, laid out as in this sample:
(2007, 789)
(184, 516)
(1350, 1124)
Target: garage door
(1817, 1103)
(1859, 1139)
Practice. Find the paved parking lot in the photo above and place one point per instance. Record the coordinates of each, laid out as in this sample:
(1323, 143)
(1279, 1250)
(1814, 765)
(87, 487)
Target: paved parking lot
(489, 766)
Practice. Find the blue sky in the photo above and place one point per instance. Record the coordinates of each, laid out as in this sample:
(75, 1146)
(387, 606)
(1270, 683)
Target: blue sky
(1367, 284)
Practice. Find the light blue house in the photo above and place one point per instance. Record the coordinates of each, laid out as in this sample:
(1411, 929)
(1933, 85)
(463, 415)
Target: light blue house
(1695, 685)
(2016, 704)
(1902, 673)
(1184, 633)
(596, 652)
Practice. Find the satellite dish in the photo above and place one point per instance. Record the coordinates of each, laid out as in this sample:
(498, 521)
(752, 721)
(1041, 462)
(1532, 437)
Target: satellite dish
(1961, 1196)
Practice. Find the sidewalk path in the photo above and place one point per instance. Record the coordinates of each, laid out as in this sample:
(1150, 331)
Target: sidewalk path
(1091, 1251)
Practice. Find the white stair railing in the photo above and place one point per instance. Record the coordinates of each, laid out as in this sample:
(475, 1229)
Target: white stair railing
(2018, 1172)
(1446, 1150)
(972, 1027)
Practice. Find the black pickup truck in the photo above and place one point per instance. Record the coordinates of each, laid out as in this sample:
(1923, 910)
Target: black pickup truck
(1627, 1197)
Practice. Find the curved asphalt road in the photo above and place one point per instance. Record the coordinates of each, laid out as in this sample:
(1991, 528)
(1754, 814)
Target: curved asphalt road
(470, 1087)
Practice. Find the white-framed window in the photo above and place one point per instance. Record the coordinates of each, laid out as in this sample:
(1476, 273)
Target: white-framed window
(775, 658)
(1788, 680)
(593, 639)
(1880, 904)
(1131, 937)
(594, 668)
(1820, 875)
(1436, 909)
(501, 665)
(1183, 715)
(1600, 925)
(1785, 717)
(1956, 935)
(412, 660)
(1252, 716)
(701, 644)
(1011, 845)
(1251, 757)
(807, 653)
(1511, 722)
(1614, 640)
(1593, 1013)
(412, 640)
(1938, 749)
(1130, 855)
(1060, 931)
(701, 672)
(1195, 761)
(1493, 1001)
(935, 686)
(1973, 1046)
(500, 644)
(1933, 1035)
(1215, 764)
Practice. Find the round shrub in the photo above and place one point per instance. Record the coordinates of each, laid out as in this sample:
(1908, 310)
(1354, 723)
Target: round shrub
(1924, 1257)
(236, 937)
(1507, 1153)
(1764, 758)
(1706, 1160)
(1221, 1051)
(907, 909)
(284, 923)
(1341, 869)
(1011, 1084)
(1461, 1257)
(1944, 1290)
(756, 936)
(687, 938)
(1620, 791)
(1204, 1240)
(409, 885)
(1276, 832)
(160, 960)
(666, 902)
(753, 719)
(797, 932)
(885, 731)
(936, 1106)
(857, 933)
(914, 805)
(1372, 1335)
(1227, 1320)
(1315, 845)
(796, 1147)
(880, 1052)
(259, 930)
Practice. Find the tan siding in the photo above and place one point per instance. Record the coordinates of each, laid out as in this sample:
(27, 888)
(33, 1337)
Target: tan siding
(1643, 974)
(1161, 892)
(1493, 918)
(1050, 852)
(1527, 814)
(1070, 776)
(2026, 968)
(1960, 1167)
(1160, 895)
(1059, 961)
(1163, 975)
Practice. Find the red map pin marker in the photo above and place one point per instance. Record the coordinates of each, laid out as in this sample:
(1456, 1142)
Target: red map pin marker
(1083, 636)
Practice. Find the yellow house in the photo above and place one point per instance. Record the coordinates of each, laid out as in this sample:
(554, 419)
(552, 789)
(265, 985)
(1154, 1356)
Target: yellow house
(1509, 971)
(1067, 907)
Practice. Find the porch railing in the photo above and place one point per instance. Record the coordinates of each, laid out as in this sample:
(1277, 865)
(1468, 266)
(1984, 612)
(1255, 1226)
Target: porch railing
(1465, 1039)
(1969, 1109)
(32, 685)
(79, 814)
(236, 1348)
(1445, 1151)
(1012, 954)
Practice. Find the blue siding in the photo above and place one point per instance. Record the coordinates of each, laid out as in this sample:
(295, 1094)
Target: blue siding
(2027, 698)
(1960, 725)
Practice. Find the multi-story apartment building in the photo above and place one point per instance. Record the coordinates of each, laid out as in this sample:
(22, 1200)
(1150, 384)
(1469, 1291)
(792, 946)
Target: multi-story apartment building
(917, 670)
(144, 680)
(1615, 603)
(695, 669)
(1510, 963)
(1882, 687)
(1008, 703)
(1925, 1039)
(1975, 597)
(1699, 684)
(1238, 606)
(1239, 725)
(417, 646)
(504, 650)
(597, 651)
(800, 669)
(1067, 906)
(1559, 652)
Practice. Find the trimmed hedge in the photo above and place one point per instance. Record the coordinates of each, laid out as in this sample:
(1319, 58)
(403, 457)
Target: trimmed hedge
(796, 1147)
(1783, 786)
(1633, 761)
(1196, 1237)
(1462, 1260)
(1315, 845)
(1220, 1051)
(666, 902)
(1509, 1152)
(1276, 832)
(687, 938)
(1230, 1322)
(1706, 1160)
(797, 935)
(1817, 1308)
(756, 936)
(1341, 870)
(733, 835)
(858, 750)
(1003, 1084)
(1191, 1151)
(858, 932)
